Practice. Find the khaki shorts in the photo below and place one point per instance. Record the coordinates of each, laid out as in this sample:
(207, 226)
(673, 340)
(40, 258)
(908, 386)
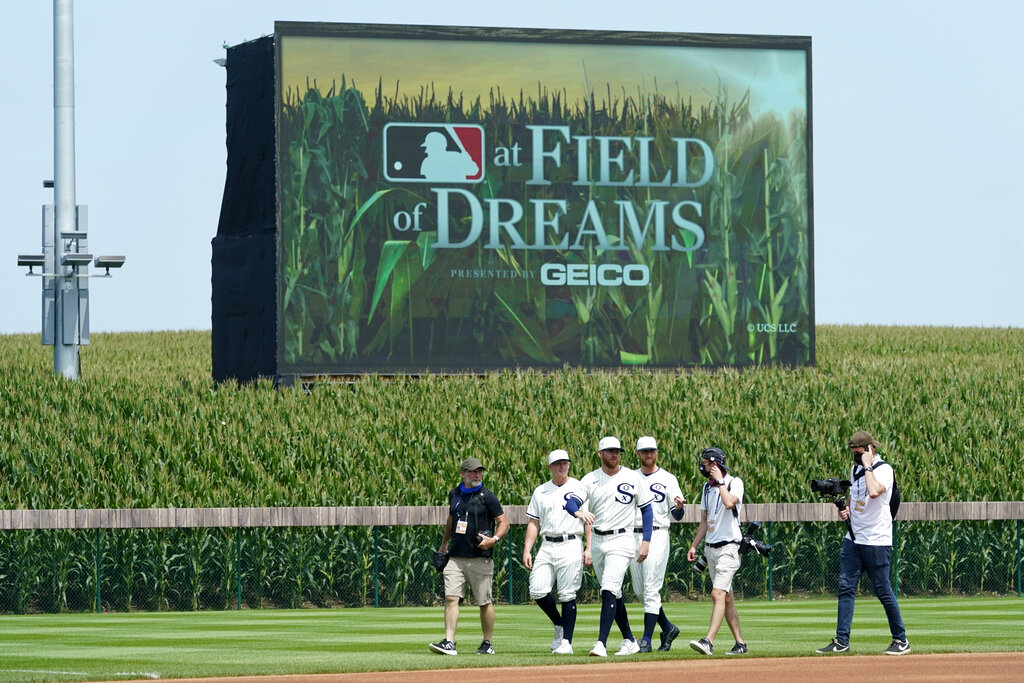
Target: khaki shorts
(478, 572)
(723, 563)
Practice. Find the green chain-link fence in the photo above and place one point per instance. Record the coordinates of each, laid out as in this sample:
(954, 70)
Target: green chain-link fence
(54, 570)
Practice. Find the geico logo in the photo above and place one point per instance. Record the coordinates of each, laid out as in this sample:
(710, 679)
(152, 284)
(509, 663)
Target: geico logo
(605, 274)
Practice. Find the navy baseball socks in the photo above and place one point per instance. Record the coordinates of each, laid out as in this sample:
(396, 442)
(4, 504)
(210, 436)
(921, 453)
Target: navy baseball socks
(568, 619)
(650, 621)
(565, 623)
(547, 604)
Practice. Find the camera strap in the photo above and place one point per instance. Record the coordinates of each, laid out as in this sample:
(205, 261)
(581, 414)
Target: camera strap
(728, 487)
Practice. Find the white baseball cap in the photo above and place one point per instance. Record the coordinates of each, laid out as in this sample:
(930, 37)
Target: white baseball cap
(646, 443)
(608, 443)
(557, 455)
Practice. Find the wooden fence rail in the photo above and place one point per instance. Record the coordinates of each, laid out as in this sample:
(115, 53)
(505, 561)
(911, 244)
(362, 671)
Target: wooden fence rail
(424, 515)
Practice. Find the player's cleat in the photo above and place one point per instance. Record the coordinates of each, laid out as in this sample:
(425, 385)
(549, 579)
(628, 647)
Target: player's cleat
(598, 650)
(702, 646)
(445, 647)
(485, 648)
(557, 640)
(834, 646)
(898, 647)
(667, 637)
(629, 647)
(645, 645)
(564, 648)
(738, 649)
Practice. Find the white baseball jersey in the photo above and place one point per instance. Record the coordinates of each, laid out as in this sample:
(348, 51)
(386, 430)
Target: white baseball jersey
(547, 506)
(664, 488)
(614, 499)
(649, 577)
(723, 524)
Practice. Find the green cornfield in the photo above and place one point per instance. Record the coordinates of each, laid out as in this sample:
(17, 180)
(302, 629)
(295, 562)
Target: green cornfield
(147, 427)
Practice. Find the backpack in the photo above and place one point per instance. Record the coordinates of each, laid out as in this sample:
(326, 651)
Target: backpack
(895, 498)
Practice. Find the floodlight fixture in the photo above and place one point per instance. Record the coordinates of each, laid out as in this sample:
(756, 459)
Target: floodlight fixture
(108, 262)
(74, 259)
(32, 260)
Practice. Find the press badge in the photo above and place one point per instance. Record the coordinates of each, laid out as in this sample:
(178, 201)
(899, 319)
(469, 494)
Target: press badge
(858, 505)
(711, 525)
(461, 526)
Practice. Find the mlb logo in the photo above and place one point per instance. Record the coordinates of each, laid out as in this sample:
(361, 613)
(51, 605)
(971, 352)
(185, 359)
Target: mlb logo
(433, 153)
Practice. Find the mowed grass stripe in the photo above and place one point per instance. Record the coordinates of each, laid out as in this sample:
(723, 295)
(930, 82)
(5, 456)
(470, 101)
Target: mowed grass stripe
(318, 641)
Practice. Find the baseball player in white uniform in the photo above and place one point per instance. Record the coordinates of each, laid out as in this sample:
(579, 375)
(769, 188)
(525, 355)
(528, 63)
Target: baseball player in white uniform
(561, 557)
(720, 521)
(649, 577)
(614, 493)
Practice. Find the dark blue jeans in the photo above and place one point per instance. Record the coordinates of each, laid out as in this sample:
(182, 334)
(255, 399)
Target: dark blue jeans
(854, 560)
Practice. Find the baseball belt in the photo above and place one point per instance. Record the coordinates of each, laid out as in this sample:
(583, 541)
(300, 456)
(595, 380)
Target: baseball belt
(609, 532)
(560, 539)
(640, 529)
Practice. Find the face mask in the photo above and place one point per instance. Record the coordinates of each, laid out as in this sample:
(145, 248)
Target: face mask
(704, 472)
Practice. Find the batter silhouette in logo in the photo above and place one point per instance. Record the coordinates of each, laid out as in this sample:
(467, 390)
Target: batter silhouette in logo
(442, 165)
(433, 153)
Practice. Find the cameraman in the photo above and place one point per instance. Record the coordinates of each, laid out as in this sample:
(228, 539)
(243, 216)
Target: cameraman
(720, 520)
(871, 522)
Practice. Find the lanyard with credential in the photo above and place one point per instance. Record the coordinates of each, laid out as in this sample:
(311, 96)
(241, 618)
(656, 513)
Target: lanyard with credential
(462, 521)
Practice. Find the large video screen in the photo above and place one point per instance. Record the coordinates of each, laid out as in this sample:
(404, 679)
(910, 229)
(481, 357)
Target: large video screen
(460, 199)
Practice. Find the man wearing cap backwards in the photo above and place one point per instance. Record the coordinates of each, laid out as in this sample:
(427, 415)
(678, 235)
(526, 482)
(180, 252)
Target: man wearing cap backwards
(476, 522)
(720, 520)
(614, 493)
(649, 577)
(871, 522)
(561, 557)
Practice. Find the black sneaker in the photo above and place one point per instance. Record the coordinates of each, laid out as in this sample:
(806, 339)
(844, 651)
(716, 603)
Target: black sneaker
(645, 645)
(485, 648)
(833, 647)
(445, 647)
(667, 637)
(738, 649)
(897, 647)
(703, 646)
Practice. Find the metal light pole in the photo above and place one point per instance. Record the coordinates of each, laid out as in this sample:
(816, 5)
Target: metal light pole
(65, 259)
(66, 294)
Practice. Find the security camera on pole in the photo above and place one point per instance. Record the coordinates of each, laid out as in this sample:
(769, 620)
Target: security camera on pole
(65, 259)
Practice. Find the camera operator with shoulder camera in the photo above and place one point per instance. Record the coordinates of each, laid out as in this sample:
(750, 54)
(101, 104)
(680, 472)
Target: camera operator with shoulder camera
(868, 545)
(720, 520)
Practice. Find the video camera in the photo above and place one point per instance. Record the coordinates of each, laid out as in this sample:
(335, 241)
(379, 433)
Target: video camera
(828, 488)
(750, 543)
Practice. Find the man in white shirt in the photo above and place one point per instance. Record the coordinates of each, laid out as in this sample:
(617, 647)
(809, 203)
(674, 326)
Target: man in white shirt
(868, 551)
(614, 493)
(720, 522)
(649, 577)
(561, 556)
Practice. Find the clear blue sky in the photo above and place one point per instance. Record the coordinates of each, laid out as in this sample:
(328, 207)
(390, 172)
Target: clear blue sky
(917, 143)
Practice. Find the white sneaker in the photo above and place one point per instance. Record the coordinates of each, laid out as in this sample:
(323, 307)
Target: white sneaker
(565, 648)
(598, 650)
(629, 647)
(557, 641)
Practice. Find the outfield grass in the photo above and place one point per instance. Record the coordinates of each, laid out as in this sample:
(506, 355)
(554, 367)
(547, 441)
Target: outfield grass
(82, 647)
